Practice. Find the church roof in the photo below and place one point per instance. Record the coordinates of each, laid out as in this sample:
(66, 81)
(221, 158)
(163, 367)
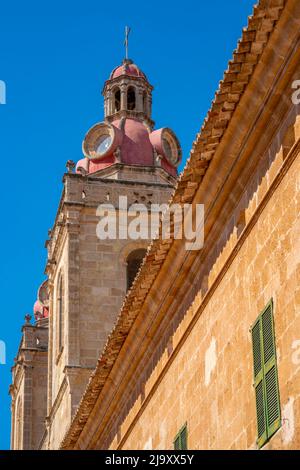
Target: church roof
(236, 78)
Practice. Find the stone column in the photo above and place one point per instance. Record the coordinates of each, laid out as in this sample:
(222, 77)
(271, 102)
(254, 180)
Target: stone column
(139, 100)
(123, 97)
(109, 104)
(105, 106)
(145, 104)
(149, 105)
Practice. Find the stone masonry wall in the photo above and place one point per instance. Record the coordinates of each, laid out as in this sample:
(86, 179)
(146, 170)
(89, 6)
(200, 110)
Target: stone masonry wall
(205, 376)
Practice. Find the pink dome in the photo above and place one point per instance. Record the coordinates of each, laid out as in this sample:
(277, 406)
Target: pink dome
(136, 148)
(127, 68)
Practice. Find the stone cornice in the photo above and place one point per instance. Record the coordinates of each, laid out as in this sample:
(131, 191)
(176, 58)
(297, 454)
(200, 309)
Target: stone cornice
(97, 176)
(231, 91)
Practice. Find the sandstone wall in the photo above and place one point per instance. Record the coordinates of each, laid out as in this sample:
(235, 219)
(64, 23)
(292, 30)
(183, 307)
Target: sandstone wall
(204, 376)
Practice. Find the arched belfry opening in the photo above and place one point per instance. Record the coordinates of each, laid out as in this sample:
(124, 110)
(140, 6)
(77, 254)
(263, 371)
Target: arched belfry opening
(131, 98)
(117, 100)
(134, 261)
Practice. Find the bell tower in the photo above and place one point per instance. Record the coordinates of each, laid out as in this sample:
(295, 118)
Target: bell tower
(88, 276)
(128, 94)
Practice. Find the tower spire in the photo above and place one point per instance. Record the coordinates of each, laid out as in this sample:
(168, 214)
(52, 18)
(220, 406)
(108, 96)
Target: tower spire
(127, 31)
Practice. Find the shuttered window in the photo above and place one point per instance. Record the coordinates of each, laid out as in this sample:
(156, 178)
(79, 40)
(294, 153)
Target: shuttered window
(180, 441)
(265, 376)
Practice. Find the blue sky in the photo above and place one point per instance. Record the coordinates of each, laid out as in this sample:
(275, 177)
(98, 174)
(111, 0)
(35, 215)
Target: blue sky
(54, 59)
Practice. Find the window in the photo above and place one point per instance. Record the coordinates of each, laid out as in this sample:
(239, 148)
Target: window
(265, 376)
(131, 98)
(180, 441)
(117, 100)
(60, 312)
(134, 261)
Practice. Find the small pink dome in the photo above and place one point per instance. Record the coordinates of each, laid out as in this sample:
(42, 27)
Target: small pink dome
(38, 310)
(127, 68)
(82, 166)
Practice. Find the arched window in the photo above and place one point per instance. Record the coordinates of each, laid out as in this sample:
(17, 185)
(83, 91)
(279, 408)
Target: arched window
(134, 261)
(131, 98)
(60, 312)
(19, 425)
(117, 100)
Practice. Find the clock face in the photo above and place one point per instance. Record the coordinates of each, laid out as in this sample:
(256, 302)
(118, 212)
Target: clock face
(103, 144)
(99, 142)
(168, 149)
(171, 147)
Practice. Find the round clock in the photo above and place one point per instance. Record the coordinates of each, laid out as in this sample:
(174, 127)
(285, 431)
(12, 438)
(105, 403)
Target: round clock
(100, 141)
(171, 147)
(103, 144)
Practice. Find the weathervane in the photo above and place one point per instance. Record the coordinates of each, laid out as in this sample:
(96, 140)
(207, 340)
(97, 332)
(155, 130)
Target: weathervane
(127, 31)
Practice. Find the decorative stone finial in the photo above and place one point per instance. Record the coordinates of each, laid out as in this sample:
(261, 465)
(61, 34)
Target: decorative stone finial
(28, 319)
(70, 166)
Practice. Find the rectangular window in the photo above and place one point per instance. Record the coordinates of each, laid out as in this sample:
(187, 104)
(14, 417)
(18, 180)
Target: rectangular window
(180, 441)
(265, 376)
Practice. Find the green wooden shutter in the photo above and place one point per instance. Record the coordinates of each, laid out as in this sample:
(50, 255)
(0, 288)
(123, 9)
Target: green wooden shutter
(177, 443)
(270, 371)
(265, 376)
(259, 384)
(180, 441)
(183, 435)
